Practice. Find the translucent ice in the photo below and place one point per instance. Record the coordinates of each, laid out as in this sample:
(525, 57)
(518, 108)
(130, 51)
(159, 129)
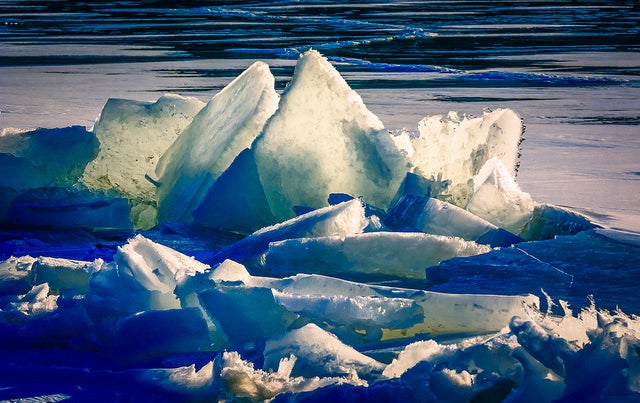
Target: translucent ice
(228, 124)
(133, 135)
(155, 268)
(324, 140)
(15, 275)
(450, 151)
(395, 254)
(44, 157)
(435, 216)
(498, 199)
(64, 274)
(342, 219)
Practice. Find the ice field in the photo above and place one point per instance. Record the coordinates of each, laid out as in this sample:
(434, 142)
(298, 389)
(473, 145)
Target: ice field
(302, 231)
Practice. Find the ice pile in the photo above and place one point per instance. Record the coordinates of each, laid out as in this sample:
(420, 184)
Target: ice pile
(239, 335)
(327, 296)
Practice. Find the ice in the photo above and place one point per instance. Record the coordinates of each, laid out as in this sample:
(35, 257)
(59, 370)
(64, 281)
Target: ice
(441, 313)
(324, 140)
(390, 254)
(70, 208)
(133, 135)
(437, 217)
(498, 199)
(153, 270)
(246, 314)
(228, 124)
(438, 211)
(318, 353)
(36, 302)
(15, 275)
(451, 150)
(549, 221)
(44, 157)
(239, 378)
(236, 201)
(341, 219)
(146, 335)
(64, 274)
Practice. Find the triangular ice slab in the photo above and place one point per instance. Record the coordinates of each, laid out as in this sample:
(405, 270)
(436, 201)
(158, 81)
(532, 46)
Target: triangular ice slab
(324, 140)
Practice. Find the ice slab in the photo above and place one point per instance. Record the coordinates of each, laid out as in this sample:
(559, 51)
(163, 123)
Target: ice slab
(442, 313)
(548, 221)
(318, 353)
(228, 124)
(324, 140)
(566, 267)
(70, 207)
(15, 275)
(246, 314)
(45, 157)
(64, 274)
(341, 219)
(437, 217)
(236, 201)
(451, 150)
(147, 273)
(498, 199)
(133, 135)
(375, 254)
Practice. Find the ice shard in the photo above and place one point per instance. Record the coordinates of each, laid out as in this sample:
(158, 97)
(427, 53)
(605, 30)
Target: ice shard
(228, 124)
(133, 135)
(324, 140)
(451, 150)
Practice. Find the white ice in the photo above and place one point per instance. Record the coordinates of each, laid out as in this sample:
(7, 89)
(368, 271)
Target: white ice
(396, 254)
(451, 150)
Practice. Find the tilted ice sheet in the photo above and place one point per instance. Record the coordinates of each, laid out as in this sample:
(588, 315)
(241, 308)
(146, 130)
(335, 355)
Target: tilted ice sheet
(228, 124)
(341, 220)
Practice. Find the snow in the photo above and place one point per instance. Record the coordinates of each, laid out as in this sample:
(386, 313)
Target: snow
(228, 124)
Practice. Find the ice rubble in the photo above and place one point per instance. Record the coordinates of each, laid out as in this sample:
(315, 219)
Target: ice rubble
(160, 321)
(301, 331)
